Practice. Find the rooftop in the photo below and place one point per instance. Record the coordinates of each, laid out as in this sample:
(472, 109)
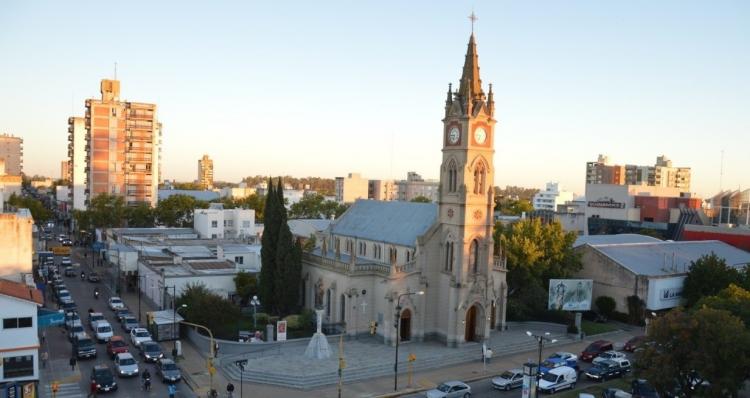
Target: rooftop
(394, 222)
(613, 239)
(20, 291)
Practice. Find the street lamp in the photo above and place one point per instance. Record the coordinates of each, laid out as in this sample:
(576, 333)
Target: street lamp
(255, 303)
(139, 296)
(241, 364)
(397, 325)
(533, 371)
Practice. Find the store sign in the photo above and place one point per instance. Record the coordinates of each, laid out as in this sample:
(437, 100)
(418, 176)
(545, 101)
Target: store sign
(669, 294)
(281, 331)
(606, 203)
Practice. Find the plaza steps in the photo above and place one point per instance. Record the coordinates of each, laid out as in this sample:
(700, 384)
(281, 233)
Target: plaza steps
(471, 353)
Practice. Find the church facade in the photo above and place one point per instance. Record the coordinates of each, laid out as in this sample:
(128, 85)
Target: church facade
(422, 271)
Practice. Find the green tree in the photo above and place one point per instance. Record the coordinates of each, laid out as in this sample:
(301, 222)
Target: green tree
(211, 310)
(310, 206)
(140, 216)
(688, 348)
(177, 210)
(421, 199)
(255, 202)
(268, 271)
(734, 299)
(246, 285)
(107, 211)
(707, 276)
(39, 212)
(606, 305)
(512, 207)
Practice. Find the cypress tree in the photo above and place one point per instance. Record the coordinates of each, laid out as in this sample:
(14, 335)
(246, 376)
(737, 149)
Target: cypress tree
(269, 269)
(288, 261)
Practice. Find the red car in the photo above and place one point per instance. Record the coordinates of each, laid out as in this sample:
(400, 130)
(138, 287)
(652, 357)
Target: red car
(116, 345)
(594, 349)
(634, 343)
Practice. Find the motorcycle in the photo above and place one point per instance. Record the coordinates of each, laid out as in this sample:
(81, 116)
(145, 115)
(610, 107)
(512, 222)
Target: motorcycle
(83, 276)
(147, 384)
(96, 294)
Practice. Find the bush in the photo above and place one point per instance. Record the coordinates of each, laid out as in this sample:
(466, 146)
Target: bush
(293, 321)
(572, 329)
(620, 317)
(261, 318)
(307, 319)
(606, 305)
(636, 310)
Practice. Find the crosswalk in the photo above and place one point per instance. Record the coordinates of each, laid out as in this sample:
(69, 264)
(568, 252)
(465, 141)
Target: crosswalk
(66, 390)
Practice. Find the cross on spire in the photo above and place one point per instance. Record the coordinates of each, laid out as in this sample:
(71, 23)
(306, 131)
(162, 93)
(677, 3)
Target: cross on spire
(473, 18)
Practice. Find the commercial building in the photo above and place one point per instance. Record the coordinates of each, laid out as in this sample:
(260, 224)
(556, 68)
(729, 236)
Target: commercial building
(19, 342)
(661, 174)
(738, 237)
(16, 245)
(11, 150)
(415, 186)
(551, 197)
(206, 172)
(730, 208)
(654, 270)
(9, 184)
(241, 191)
(350, 188)
(382, 190)
(122, 148)
(571, 215)
(216, 222)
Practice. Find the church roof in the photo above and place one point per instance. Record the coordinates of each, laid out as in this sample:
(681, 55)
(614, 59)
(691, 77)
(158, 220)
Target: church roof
(394, 222)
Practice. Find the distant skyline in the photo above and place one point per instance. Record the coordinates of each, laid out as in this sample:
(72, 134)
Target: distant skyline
(328, 88)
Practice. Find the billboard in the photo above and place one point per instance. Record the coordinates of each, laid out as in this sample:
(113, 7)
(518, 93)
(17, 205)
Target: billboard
(570, 294)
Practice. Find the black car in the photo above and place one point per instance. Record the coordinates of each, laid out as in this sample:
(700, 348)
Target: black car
(70, 271)
(604, 370)
(69, 306)
(640, 388)
(104, 378)
(94, 277)
(151, 351)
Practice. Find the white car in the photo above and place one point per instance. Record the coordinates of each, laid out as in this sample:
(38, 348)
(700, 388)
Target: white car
(450, 389)
(126, 365)
(139, 335)
(558, 379)
(610, 355)
(103, 331)
(115, 303)
(566, 356)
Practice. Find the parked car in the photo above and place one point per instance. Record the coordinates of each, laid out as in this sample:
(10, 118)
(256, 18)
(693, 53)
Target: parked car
(84, 347)
(69, 306)
(619, 357)
(115, 303)
(128, 323)
(615, 393)
(95, 317)
(558, 379)
(69, 271)
(564, 355)
(116, 345)
(94, 277)
(75, 330)
(595, 349)
(640, 388)
(604, 370)
(634, 343)
(555, 361)
(122, 313)
(67, 242)
(151, 351)
(104, 378)
(64, 295)
(450, 389)
(65, 262)
(508, 380)
(71, 318)
(103, 331)
(168, 371)
(126, 365)
(139, 335)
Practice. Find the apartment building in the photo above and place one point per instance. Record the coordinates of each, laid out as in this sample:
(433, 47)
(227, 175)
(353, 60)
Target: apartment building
(661, 174)
(19, 344)
(551, 197)
(415, 186)
(219, 223)
(382, 190)
(11, 150)
(77, 160)
(350, 188)
(206, 172)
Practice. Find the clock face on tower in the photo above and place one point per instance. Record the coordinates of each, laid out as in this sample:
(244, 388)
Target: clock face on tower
(453, 135)
(480, 135)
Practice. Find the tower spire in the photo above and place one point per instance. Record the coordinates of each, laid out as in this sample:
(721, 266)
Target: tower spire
(470, 89)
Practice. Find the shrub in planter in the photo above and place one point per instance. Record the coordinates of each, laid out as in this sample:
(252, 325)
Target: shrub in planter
(261, 317)
(606, 305)
(293, 321)
(572, 329)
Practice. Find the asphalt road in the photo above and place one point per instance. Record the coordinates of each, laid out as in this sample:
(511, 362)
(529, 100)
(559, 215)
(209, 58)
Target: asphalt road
(60, 347)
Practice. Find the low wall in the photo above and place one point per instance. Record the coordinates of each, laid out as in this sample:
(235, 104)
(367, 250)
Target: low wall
(538, 326)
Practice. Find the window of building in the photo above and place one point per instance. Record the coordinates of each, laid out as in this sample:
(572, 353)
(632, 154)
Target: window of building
(452, 176)
(480, 174)
(214, 224)
(245, 224)
(239, 260)
(15, 323)
(474, 256)
(393, 254)
(229, 223)
(22, 366)
(449, 256)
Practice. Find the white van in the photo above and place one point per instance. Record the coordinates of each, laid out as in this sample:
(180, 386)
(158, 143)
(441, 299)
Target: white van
(558, 379)
(103, 331)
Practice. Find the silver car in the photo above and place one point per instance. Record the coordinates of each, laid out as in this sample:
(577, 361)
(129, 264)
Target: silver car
(168, 371)
(126, 365)
(508, 380)
(450, 389)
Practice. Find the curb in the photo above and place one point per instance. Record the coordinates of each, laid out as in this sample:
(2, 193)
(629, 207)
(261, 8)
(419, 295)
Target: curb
(421, 389)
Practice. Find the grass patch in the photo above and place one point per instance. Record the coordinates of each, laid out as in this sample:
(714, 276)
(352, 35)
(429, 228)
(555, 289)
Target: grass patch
(596, 389)
(592, 328)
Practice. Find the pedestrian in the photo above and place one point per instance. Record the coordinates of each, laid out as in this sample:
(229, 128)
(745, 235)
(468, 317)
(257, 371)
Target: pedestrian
(172, 389)
(216, 349)
(72, 363)
(45, 357)
(230, 390)
(93, 389)
(44, 336)
(488, 354)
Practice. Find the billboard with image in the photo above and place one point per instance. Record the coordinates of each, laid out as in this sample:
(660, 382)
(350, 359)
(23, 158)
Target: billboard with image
(570, 294)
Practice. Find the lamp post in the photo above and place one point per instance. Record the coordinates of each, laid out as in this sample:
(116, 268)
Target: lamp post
(241, 364)
(534, 371)
(255, 303)
(211, 352)
(139, 296)
(397, 325)
(174, 322)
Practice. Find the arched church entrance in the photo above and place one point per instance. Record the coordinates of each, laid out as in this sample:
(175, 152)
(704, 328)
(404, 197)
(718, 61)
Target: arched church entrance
(474, 324)
(405, 328)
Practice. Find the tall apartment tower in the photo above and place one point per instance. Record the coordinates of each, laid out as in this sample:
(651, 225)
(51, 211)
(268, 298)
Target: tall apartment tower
(77, 159)
(11, 150)
(65, 170)
(662, 174)
(206, 172)
(123, 147)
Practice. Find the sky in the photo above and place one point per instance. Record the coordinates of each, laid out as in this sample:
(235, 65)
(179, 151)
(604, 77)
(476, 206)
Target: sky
(325, 88)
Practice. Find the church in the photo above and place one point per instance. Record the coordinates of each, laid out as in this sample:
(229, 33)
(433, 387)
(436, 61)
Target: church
(422, 271)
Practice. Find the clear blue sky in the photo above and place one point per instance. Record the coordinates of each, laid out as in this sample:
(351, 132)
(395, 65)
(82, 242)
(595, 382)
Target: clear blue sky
(325, 88)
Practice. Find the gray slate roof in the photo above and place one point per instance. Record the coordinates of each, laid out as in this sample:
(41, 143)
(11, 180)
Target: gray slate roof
(613, 239)
(394, 222)
(655, 259)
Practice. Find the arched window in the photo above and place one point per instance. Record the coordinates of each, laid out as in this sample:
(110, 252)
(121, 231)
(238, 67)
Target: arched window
(474, 256)
(448, 256)
(328, 303)
(342, 306)
(452, 177)
(480, 175)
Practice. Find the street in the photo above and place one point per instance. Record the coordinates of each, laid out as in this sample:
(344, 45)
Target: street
(61, 349)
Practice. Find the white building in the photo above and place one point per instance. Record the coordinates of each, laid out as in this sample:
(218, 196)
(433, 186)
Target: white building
(219, 223)
(19, 344)
(239, 192)
(9, 184)
(16, 245)
(551, 197)
(77, 153)
(351, 188)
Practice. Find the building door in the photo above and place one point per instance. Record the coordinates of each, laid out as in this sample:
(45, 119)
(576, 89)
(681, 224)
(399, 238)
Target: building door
(405, 330)
(471, 324)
